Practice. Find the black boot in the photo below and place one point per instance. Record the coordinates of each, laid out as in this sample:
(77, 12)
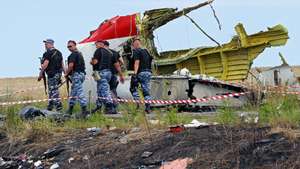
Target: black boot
(96, 109)
(147, 109)
(109, 109)
(49, 108)
(84, 112)
(70, 110)
(137, 106)
(59, 107)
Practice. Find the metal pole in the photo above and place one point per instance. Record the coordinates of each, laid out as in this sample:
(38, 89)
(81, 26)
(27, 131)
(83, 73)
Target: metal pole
(90, 103)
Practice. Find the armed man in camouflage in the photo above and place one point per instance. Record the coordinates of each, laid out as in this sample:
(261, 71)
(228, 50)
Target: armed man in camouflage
(76, 71)
(52, 64)
(106, 61)
(142, 72)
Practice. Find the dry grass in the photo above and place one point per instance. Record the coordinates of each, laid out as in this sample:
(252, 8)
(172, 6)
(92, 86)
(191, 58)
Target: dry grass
(291, 134)
(12, 85)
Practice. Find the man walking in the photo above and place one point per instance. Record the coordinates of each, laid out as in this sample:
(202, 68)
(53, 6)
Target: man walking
(76, 70)
(96, 77)
(142, 72)
(52, 64)
(114, 82)
(106, 61)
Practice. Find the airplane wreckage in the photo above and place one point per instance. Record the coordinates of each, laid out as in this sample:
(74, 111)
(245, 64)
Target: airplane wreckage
(207, 67)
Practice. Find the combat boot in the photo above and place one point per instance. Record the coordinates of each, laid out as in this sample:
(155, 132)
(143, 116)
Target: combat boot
(84, 112)
(147, 109)
(109, 109)
(59, 107)
(70, 110)
(137, 106)
(96, 109)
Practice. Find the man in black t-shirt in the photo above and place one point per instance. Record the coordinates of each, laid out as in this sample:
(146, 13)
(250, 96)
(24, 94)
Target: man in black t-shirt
(105, 60)
(52, 64)
(114, 82)
(76, 70)
(142, 72)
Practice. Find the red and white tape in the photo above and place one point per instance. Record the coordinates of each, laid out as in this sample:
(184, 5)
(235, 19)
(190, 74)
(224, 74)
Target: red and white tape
(213, 98)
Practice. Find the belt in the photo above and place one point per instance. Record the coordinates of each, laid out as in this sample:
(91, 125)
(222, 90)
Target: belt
(146, 70)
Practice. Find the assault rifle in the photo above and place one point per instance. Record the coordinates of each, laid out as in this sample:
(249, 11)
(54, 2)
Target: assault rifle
(43, 75)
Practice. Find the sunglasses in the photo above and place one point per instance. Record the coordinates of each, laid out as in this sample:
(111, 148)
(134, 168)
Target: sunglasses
(69, 46)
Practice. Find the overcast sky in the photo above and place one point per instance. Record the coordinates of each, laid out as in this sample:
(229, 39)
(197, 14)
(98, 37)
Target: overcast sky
(24, 24)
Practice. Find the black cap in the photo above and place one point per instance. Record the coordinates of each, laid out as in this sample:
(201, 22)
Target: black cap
(101, 41)
(106, 43)
(51, 41)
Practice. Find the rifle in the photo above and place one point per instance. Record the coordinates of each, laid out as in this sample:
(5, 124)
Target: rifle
(43, 75)
(68, 80)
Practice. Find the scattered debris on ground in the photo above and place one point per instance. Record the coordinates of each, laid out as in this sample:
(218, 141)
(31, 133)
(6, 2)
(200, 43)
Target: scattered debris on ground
(213, 146)
(30, 113)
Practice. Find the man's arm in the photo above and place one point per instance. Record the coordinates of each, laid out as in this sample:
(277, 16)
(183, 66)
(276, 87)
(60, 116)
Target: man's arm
(63, 66)
(118, 68)
(43, 68)
(45, 65)
(136, 66)
(69, 69)
(121, 60)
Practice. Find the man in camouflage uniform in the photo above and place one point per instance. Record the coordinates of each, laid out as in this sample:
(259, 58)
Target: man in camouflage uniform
(142, 72)
(76, 70)
(52, 64)
(105, 60)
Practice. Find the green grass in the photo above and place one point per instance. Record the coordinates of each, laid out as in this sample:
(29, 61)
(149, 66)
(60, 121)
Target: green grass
(276, 110)
(227, 116)
(283, 111)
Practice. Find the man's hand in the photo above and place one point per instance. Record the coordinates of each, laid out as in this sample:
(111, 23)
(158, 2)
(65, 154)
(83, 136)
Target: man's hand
(134, 83)
(39, 78)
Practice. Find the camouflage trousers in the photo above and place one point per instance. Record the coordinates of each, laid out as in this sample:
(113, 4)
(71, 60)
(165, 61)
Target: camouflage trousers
(103, 90)
(53, 92)
(77, 93)
(144, 80)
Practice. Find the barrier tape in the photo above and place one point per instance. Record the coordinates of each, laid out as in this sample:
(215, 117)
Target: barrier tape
(212, 98)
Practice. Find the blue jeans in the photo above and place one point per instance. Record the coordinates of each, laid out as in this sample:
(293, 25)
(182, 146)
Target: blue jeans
(104, 89)
(77, 92)
(144, 80)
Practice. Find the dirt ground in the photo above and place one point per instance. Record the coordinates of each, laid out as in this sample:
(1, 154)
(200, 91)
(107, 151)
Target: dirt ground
(211, 147)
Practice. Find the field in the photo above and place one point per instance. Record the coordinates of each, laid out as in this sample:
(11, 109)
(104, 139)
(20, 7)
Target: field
(30, 87)
(134, 140)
